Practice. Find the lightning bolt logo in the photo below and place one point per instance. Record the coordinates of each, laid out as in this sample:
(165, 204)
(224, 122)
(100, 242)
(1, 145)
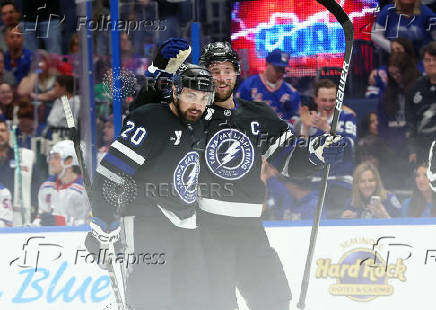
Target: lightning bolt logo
(230, 153)
(427, 117)
(223, 148)
(187, 191)
(191, 178)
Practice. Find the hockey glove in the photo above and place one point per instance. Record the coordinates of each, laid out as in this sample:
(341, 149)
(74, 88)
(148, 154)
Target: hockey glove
(99, 238)
(104, 233)
(326, 149)
(431, 171)
(48, 219)
(171, 54)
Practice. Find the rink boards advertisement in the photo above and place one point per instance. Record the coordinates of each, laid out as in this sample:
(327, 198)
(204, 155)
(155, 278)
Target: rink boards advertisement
(357, 265)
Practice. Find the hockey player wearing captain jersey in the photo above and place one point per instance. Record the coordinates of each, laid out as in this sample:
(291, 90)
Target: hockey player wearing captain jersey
(156, 150)
(237, 248)
(238, 133)
(62, 197)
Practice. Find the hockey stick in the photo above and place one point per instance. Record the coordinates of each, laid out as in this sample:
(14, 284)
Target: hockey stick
(87, 183)
(19, 174)
(347, 25)
(76, 139)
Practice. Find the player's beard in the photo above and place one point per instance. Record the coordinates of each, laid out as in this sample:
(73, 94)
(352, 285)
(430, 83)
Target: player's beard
(220, 95)
(184, 115)
(190, 119)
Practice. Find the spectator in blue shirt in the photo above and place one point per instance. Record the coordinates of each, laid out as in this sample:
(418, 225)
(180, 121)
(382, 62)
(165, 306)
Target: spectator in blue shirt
(407, 19)
(17, 58)
(421, 204)
(370, 199)
(289, 198)
(270, 87)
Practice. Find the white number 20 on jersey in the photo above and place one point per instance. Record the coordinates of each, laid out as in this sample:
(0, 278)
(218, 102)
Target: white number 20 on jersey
(136, 135)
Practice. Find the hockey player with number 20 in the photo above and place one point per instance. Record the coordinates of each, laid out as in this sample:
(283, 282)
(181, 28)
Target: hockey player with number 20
(155, 150)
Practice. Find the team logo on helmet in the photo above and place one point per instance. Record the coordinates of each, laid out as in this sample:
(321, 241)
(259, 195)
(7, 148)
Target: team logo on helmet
(186, 177)
(229, 154)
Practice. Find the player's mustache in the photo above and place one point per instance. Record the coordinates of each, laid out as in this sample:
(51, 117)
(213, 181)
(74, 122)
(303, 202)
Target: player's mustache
(194, 110)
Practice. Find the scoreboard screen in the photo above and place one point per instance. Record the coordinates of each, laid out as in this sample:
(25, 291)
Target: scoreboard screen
(304, 29)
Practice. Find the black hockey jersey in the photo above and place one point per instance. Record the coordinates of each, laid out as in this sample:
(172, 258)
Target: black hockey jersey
(421, 115)
(231, 165)
(155, 150)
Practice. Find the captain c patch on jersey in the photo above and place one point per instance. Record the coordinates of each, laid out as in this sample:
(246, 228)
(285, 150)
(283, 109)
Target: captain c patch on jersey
(186, 177)
(229, 154)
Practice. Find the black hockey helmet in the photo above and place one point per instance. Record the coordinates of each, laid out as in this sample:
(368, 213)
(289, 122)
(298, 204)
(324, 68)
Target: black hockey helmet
(193, 77)
(219, 52)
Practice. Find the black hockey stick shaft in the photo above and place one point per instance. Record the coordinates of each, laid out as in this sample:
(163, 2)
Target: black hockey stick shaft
(347, 25)
(87, 182)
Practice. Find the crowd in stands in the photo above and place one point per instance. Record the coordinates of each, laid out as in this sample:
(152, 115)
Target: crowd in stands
(383, 171)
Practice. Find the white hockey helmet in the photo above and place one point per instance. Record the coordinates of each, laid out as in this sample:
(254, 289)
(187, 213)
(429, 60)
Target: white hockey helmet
(65, 149)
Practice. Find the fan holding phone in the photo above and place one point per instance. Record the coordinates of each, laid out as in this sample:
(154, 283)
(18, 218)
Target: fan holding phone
(370, 199)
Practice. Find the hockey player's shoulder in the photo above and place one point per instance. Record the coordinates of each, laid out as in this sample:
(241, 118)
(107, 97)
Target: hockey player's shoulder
(77, 185)
(258, 107)
(49, 183)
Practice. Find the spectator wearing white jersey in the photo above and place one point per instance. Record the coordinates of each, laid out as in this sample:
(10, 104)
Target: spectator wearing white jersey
(62, 198)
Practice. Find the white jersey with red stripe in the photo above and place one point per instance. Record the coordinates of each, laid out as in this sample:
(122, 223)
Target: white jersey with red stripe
(65, 200)
(431, 172)
(6, 211)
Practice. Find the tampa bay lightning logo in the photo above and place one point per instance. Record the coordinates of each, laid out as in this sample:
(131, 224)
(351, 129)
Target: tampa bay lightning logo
(186, 177)
(229, 154)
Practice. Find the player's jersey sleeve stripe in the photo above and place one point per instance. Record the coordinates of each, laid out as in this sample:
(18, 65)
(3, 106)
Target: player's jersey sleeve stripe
(129, 152)
(431, 171)
(76, 190)
(282, 140)
(109, 174)
(119, 163)
(48, 186)
(78, 186)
